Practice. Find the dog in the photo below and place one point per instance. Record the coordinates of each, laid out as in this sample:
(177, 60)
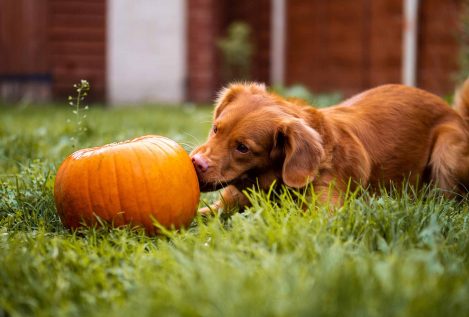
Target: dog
(379, 137)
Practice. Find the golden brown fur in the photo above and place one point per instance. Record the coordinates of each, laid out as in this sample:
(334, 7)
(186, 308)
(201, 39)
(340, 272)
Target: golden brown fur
(381, 136)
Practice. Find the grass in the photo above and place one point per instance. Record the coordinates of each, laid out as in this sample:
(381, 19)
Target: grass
(399, 254)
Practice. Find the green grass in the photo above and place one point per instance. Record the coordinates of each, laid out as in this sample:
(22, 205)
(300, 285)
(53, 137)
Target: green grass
(400, 254)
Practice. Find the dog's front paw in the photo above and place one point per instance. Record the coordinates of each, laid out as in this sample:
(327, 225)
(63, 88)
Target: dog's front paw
(212, 210)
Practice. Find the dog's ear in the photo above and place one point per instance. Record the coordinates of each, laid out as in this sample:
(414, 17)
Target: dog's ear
(228, 94)
(225, 96)
(303, 150)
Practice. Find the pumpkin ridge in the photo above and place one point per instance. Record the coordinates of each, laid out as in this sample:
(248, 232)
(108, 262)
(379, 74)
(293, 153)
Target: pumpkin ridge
(172, 150)
(119, 212)
(147, 193)
(194, 190)
(58, 190)
(141, 217)
(100, 187)
(88, 195)
(151, 150)
(166, 149)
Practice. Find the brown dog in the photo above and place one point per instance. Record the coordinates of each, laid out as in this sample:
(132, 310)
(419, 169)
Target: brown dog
(381, 136)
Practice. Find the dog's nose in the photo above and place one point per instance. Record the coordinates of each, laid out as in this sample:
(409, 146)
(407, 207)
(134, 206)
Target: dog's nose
(200, 163)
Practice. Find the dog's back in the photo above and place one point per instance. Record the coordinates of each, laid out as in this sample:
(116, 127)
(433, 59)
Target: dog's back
(461, 101)
(408, 132)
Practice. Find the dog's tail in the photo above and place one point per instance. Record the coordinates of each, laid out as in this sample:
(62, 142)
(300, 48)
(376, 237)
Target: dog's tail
(461, 101)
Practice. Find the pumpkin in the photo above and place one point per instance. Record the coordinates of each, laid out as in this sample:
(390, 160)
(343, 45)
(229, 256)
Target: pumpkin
(132, 182)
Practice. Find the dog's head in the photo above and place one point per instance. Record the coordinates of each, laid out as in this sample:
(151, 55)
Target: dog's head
(257, 136)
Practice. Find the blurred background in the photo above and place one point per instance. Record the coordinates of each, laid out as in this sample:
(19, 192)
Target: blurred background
(150, 51)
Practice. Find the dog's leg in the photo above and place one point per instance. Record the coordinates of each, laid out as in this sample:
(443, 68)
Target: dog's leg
(449, 159)
(231, 198)
(329, 196)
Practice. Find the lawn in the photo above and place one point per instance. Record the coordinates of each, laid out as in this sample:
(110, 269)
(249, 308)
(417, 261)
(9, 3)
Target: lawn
(399, 254)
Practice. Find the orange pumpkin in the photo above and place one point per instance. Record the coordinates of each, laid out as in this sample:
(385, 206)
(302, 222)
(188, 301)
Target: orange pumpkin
(131, 182)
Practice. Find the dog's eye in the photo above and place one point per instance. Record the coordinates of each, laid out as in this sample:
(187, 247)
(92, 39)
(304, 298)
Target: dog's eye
(242, 148)
(214, 129)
